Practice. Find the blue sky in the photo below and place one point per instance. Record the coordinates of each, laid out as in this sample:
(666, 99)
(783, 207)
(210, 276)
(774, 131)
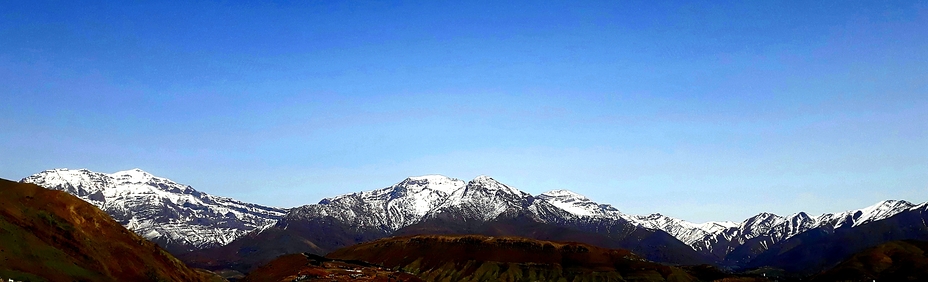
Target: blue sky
(700, 110)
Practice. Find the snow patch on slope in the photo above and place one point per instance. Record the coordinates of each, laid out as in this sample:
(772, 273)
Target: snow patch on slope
(577, 204)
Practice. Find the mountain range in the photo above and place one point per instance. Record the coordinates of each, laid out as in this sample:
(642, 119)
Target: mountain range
(215, 233)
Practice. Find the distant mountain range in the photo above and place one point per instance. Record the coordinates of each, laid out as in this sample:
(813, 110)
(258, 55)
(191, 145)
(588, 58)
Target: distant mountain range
(229, 234)
(176, 216)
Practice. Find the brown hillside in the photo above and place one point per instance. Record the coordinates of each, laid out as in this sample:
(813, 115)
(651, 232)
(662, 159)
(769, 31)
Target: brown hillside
(482, 258)
(48, 235)
(309, 267)
(892, 261)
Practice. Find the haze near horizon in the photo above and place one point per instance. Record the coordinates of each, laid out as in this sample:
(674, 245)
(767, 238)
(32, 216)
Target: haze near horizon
(704, 111)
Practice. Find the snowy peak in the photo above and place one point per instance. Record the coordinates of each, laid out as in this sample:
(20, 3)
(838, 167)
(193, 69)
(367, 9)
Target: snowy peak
(435, 182)
(760, 224)
(442, 185)
(577, 204)
(878, 211)
(801, 216)
(410, 200)
(567, 194)
(484, 198)
(133, 176)
(79, 182)
(390, 208)
(717, 226)
(760, 219)
(490, 185)
(882, 210)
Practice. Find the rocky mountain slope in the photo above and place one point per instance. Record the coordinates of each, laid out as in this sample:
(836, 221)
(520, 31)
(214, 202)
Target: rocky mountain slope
(48, 235)
(174, 215)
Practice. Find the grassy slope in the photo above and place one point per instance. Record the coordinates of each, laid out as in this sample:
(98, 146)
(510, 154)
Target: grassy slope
(50, 235)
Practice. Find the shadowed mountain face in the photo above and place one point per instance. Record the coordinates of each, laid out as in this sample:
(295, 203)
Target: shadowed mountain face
(653, 245)
(289, 236)
(50, 235)
(482, 258)
(893, 261)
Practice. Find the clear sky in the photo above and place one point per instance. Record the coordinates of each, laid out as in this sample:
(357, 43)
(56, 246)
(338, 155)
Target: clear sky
(701, 110)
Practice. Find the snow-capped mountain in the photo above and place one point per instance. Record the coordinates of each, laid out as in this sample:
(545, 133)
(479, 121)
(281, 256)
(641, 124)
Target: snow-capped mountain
(386, 209)
(172, 214)
(409, 201)
(415, 198)
(483, 199)
(766, 229)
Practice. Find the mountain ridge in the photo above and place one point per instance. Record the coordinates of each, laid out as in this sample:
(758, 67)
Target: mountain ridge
(717, 238)
(175, 215)
(372, 214)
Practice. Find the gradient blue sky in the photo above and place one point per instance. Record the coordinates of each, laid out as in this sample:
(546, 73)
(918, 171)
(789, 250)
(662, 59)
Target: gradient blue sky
(699, 110)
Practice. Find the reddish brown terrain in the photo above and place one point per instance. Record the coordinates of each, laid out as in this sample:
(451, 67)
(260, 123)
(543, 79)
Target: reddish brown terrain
(482, 258)
(308, 267)
(894, 261)
(48, 235)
